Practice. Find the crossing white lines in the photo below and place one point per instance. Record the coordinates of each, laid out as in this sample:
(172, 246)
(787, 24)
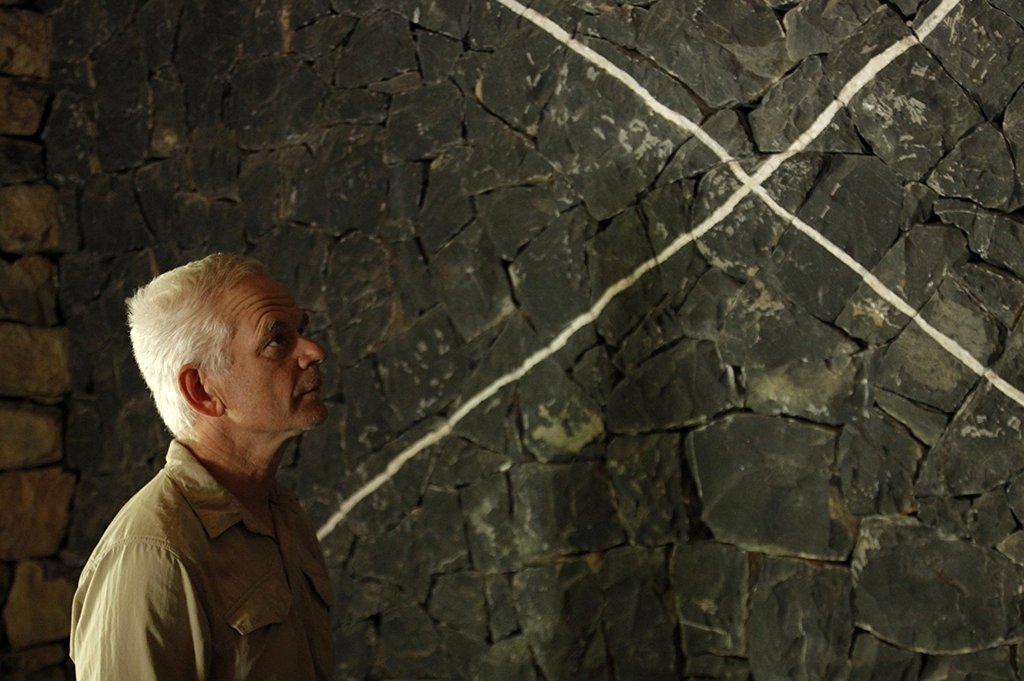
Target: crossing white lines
(748, 184)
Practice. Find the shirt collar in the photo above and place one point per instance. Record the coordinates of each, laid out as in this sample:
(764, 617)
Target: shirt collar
(216, 507)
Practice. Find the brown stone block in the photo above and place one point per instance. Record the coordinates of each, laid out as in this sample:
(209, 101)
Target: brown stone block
(31, 436)
(18, 665)
(21, 106)
(28, 291)
(35, 361)
(24, 43)
(28, 218)
(35, 512)
(38, 609)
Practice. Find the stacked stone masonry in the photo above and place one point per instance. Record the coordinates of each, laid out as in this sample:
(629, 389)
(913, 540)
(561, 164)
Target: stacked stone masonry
(747, 463)
(36, 486)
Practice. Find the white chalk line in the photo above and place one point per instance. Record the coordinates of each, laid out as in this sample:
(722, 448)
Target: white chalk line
(865, 75)
(749, 184)
(557, 343)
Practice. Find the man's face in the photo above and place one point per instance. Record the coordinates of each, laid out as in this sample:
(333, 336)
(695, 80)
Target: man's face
(273, 385)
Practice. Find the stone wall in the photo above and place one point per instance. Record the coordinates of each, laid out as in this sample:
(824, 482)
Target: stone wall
(618, 391)
(35, 585)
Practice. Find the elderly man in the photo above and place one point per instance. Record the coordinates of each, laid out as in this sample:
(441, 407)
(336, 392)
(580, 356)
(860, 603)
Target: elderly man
(212, 571)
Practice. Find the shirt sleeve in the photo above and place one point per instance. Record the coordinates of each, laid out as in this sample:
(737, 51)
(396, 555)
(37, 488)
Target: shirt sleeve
(137, 614)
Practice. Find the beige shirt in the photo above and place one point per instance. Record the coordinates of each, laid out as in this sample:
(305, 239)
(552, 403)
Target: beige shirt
(187, 584)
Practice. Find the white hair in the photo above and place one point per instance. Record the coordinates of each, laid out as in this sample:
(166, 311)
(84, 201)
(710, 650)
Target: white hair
(174, 321)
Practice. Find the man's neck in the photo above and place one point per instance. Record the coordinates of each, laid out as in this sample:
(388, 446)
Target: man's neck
(248, 470)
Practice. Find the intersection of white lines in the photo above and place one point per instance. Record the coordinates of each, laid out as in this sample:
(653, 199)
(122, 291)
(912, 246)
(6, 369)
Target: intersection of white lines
(750, 184)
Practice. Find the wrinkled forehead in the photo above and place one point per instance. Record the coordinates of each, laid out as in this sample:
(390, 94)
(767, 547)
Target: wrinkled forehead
(247, 305)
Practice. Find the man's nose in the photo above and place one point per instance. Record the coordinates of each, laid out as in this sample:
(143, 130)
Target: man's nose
(310, 352)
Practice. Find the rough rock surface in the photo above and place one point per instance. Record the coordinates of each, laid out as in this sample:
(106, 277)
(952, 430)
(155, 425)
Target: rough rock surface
(765, 485)
(940, 612)
(681, 438)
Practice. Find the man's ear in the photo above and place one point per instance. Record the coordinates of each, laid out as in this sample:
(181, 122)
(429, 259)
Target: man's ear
(192, 384)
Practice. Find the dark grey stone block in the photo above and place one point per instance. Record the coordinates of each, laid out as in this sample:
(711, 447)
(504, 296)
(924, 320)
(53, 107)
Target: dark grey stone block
(704, 310)
(446, 208)
(512, 86)
(512, 216)
(503, 620)
(77, 27)
(979, 45)
(997, 238)
(877, 461)
(711, 583)
(830, 391)
(819, 26)
(917, 367)
(912, 269)
(360, 640)
(422, 369)
(338, 198)
(470, 280)
(875, 660)
(999, 293)
(561, 509)
(910, 116)
(994, 664)
(457, 602)
(213, 160)
(792, 105)
(926, 423)
(272, 102)
(70, 141)
(739, 44)
(361, 296)
(559, 419)
(112, 221)
(856, 205)
(550, 278)
(924, 591)
(122, 103)
(423, 121)
(509, 660)
(651, 397)
(981, 446)
(409, 643)
(422, 544)
(315, 37)
(611, 161)
(646, 475)
(800, 621)
(762, 329)
(979, 168)
(766, 485)
(612, 255)
(487, 506)
(582, 621)
(380, 46)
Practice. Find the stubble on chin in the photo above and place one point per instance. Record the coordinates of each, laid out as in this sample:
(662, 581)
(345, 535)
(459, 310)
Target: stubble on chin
(317, 414)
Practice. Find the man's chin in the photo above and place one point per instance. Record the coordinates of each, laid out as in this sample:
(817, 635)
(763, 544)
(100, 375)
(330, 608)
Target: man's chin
(316, 414)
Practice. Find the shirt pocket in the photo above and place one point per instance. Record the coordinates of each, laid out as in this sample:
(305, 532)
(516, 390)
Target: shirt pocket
(266, 602)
